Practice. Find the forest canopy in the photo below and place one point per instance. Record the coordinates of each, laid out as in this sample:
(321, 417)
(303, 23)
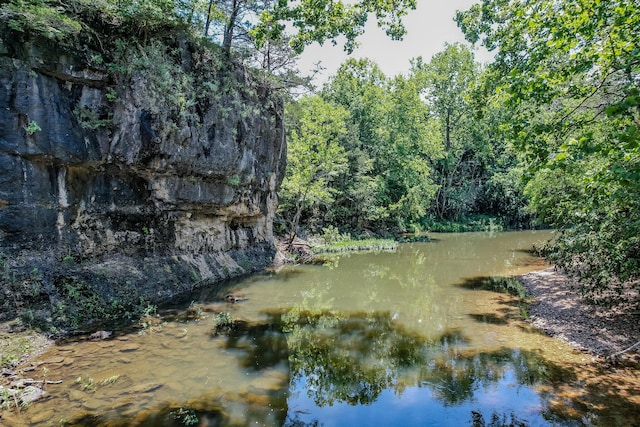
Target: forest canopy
(569, 72)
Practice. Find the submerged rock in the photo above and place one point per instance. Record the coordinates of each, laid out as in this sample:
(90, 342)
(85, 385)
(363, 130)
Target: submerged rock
(100, 335)
(42, 417)
(144, 388)
(127, 348)
(30, 394)
(77, 396)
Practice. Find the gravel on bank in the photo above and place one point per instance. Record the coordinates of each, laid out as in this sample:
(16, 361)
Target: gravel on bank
(559, 311)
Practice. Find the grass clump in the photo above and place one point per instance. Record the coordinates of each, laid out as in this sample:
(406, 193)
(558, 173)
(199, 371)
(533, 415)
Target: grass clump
(87, 384)
(111, 380)
(14, 348)
(357, 246)
(222, 323)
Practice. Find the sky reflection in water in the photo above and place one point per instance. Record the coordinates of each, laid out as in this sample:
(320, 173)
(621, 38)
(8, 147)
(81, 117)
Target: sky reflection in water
(382, 374)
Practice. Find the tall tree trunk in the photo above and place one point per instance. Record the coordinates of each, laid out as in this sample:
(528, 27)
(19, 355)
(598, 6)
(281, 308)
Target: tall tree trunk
(231, 23)
(293, 231)
(206, 26)
(293, 225)
(448, 132)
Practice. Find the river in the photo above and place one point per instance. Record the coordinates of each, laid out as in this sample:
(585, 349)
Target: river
(425, 335)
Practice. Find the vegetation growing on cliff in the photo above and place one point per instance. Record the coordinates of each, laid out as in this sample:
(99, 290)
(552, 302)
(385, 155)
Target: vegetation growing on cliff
(249, 28)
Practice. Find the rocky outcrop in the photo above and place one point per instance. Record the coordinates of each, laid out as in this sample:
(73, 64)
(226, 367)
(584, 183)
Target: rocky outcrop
(154, 167)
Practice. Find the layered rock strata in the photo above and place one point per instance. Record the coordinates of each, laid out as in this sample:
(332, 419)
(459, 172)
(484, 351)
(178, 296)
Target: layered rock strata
(128, 178)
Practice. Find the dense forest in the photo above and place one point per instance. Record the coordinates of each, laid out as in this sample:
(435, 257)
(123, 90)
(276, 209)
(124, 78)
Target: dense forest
(547, 134)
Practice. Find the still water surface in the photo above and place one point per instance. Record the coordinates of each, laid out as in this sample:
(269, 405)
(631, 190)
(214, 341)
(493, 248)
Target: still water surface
(417, 337)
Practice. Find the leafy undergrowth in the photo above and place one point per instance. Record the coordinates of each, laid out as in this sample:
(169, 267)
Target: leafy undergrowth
(470, 224)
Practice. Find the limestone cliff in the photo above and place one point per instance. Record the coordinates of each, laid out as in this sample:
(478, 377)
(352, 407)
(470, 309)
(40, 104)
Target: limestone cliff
(151, 169)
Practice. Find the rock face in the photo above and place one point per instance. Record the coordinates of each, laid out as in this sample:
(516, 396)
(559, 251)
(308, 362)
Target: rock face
(160, 173)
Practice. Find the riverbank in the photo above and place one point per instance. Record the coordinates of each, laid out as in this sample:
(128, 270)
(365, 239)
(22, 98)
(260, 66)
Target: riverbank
(559, 311)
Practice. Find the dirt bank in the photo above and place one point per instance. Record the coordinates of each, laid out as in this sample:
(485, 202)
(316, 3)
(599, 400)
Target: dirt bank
(559, 311)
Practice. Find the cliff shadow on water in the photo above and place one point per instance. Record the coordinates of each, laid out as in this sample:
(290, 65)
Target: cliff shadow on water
(132, 169)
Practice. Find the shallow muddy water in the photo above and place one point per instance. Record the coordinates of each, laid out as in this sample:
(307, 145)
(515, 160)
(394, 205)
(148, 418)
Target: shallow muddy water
(421, 336)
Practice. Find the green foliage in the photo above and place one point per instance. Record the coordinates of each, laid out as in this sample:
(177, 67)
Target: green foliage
(111, 94)
(406, 152)
(503, 196)
(422, 150)
(318, 21)
(170, 90)
(13, 348)
(79, 304)
(222, 323)
(571, 78)
(186, 416)
(87, 384)
(356, 246)
(332, 235)
(464, 224)
(360, 87)
(389, 179)
(265, 34)
(42, 17)
(90, 119)
(448, 82)
(315, 157)
(32, 128)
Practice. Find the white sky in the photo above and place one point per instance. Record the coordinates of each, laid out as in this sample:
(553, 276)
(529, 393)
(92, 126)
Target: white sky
(428, 28)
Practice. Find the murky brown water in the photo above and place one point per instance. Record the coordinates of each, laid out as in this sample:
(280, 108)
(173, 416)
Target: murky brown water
(415, 337)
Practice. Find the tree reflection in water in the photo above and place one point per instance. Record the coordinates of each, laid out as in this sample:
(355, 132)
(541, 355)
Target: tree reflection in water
(369, 369)
(336, 359)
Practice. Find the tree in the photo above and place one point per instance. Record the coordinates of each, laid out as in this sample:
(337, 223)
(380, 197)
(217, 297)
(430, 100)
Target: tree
(447, 83)
(322, 20)
(315, 157)
(360, 87)
(406, 153)
(571, 74)
(257, 23)
(390, 182)
(236, 19)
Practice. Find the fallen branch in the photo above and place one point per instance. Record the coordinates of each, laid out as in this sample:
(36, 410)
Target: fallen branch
(44, 382)
(624, 351)
(15, 400)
